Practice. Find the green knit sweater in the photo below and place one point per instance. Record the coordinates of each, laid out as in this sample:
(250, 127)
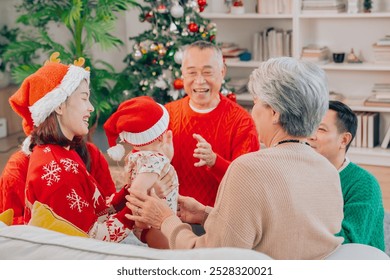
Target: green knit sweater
(363, 208)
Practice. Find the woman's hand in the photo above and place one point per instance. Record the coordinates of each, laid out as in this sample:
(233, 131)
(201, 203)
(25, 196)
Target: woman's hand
(190, 210)
(163, 186)
(150, 210)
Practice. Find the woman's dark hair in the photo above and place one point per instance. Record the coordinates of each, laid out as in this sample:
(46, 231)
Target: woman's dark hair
(346, 118)
(49, 132)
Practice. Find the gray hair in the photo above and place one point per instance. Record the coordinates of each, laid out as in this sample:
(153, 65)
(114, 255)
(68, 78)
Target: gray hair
(297, 89)
(202, 45)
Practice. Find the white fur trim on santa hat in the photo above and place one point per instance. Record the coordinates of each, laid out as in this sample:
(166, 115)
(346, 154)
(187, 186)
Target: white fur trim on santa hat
(117, 152)
(41, 109)
(26, 145)
(149, 135)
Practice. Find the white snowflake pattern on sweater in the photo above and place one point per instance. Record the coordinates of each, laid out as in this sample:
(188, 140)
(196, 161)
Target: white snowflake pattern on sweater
(51, 173)
(70, 165)
(75, 201)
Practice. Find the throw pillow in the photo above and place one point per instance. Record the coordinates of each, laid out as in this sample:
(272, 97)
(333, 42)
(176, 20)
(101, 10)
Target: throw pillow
(43, 216)
(7, 216)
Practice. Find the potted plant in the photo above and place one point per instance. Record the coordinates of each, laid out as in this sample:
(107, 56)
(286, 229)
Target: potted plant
(88, 23)
(6, 37)
(367, 5)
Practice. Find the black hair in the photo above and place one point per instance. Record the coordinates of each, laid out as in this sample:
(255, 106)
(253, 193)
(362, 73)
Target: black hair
(346, 119)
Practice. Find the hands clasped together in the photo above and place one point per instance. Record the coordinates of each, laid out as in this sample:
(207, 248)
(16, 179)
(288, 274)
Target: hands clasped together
(152, 210)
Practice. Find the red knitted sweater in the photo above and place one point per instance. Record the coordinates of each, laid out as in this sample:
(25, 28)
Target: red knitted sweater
(57, 177)
(13, 180)
(230, 131)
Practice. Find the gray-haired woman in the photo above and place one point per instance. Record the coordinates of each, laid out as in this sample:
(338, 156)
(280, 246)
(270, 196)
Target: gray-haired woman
(284, 201)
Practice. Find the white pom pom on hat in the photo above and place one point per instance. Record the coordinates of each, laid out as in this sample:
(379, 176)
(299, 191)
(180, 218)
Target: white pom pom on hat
(117, 152)
(138, 121)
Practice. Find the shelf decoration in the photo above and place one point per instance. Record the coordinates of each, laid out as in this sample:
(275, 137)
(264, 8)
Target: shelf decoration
(367, 6)
(237, 8)
(352, 57)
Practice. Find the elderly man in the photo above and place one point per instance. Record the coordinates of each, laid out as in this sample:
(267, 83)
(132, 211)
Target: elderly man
(209, 130)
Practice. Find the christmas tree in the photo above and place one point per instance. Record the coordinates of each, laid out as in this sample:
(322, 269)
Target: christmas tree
(153, 66)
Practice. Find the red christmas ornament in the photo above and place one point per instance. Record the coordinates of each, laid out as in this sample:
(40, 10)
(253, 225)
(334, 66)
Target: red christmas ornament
(193, 27)
(238, 4)
(212, 38)
(232, 97)
(162, 9)
(201, 8)
(178, 84)
(149, 16)
(202, 3)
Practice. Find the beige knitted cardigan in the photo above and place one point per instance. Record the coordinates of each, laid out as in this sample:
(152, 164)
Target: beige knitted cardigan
(284, 201)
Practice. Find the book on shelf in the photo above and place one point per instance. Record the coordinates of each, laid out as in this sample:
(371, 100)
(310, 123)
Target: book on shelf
(364, 117)
(367, 131)
(271, 42)
(238, 84)
(316, 54)
(386, 139)
(231, 51)
(376, 102)
(381, 53)
(358, 101)
(359, 133)
(384, 41)
(274, 7)
(382, 95)
(373, 130)
(381, 87)
(381, 91)
(335, 96)
(323, 7)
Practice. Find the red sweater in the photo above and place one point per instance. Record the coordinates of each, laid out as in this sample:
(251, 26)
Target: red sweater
(13, 180)
(228, 128)
(57, 177)
(12, 183)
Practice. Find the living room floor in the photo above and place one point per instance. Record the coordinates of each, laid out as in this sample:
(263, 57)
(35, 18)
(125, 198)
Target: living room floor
(9, 145)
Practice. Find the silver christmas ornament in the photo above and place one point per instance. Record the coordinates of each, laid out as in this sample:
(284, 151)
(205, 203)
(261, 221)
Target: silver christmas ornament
(173, 28)
(177, 11)
(137, 55)
(178, 57)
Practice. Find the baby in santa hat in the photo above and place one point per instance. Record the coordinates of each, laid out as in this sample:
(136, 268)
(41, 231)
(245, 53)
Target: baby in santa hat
(142, 123)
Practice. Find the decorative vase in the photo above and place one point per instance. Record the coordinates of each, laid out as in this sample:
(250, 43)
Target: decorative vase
(353, 6)
(219, 6)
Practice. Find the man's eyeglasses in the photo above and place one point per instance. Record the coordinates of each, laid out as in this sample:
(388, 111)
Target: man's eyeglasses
(192, 74)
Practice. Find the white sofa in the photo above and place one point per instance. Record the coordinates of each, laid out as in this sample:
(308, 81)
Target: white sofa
(29, 243)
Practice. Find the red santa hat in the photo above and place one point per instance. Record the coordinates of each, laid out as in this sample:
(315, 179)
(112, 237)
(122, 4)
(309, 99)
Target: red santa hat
(138, 121)
(42, 92)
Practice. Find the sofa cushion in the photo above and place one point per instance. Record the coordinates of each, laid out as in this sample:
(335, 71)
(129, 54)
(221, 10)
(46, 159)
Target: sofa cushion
(43, 216)
(23, 242)
(7, 216)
